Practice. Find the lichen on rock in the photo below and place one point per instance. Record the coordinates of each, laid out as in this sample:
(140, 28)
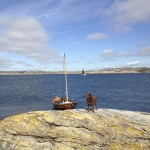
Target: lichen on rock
(76, 130)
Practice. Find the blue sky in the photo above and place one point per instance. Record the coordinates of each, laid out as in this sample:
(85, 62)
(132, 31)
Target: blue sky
(94, 34)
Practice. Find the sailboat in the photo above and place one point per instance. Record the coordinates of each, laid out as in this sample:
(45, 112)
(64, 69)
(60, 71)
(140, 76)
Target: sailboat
(83, 72)
(60, 103)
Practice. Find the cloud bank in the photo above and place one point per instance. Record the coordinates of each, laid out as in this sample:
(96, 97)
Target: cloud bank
(110, 53)
(27, 37)
(123, 14)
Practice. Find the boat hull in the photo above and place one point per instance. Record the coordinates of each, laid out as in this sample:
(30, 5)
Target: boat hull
(63, 106)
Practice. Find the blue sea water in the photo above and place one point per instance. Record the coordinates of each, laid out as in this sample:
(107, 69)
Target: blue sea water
(25, 93)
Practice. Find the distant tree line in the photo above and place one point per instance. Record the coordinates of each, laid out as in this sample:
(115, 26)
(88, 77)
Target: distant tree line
(144, 70)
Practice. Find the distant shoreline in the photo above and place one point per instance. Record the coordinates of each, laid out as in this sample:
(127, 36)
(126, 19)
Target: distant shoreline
(102, 71)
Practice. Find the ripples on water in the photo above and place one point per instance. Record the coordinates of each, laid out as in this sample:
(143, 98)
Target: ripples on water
(34, 92)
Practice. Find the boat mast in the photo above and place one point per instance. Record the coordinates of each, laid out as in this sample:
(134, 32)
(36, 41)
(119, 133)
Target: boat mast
(82, 71)
(66, 78)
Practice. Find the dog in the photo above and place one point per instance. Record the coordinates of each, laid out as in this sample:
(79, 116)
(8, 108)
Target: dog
(91, 101)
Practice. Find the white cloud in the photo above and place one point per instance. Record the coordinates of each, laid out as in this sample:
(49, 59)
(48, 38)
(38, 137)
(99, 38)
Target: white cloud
(133, 63)
(26, 36)
(109, 53)
(144, 51)
(23, 63)
(5, 20)
(97, 36)
(126, 13)
(5, 63)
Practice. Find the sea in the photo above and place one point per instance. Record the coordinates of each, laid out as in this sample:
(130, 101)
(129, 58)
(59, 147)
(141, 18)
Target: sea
(24, 93)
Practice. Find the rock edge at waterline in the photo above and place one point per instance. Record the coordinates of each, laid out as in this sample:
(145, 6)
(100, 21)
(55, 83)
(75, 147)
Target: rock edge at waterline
(76, 129)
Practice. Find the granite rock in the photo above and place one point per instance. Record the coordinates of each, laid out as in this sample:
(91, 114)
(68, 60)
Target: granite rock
(76, 130)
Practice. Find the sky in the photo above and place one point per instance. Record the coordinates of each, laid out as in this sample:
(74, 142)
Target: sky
(94, 34)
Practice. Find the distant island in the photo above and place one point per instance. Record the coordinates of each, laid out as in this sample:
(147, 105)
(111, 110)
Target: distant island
(101, 71)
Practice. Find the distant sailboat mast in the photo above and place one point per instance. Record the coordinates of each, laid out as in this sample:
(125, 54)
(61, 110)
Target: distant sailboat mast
(82, 71)
(66, 78)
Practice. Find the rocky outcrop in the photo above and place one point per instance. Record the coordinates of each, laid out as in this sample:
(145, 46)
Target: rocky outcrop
(76, 130)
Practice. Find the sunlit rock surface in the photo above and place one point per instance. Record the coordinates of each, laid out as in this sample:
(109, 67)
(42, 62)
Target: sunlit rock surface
(76, 130)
